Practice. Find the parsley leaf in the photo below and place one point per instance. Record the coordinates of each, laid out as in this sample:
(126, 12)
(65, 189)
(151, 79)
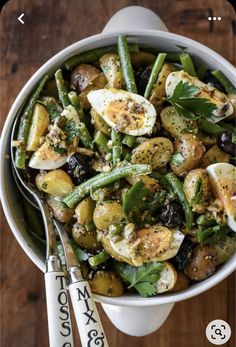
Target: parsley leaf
(142, 278)
(187, 105)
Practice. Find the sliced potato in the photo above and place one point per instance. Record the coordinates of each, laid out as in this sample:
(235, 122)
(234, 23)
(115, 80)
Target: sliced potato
(85, 238)
(207, 140)
(224, 250)
(38, 127)
(142, 59)
(158, 243)
(202, 264)
(45, 158)
(107, 213)
(158, 92)
(154, 243)
(98, 82)
(175, 124)
(83, 76)
(122, 250)
(214, 155)
(110, 65)
(182, 282)
(84, 211)
(99, 123)
(60, 211)
(56, 182)
(168, 278)
(197, 189)
(157, 152)
(106, 283)
(191, 149)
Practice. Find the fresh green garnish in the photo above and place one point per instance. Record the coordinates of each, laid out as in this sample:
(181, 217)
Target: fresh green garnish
(186, 105)
(59, 149)
(177, 159)
(198, 197)
(213, 234)
(71, 131)
(144, 201)
(234, 138)
(142, 278)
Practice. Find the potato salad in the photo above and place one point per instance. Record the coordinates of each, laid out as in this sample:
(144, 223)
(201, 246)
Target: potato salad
(134, 151)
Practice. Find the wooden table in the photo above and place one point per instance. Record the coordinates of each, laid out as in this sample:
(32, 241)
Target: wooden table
(51, 25)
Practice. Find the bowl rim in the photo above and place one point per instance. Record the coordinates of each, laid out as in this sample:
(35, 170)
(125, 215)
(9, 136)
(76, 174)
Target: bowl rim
(57, 59)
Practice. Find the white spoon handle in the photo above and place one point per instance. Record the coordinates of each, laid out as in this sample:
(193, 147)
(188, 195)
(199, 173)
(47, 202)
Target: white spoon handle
(86, 314)
(59, 323)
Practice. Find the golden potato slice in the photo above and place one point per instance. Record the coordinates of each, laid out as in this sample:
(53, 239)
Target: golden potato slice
(38, 127)
(175, 124)
(149, 182)
(191, 149)
(107, 213)
(84, 211)
(106, 283)
(214, 155)
(98, 82)
(82, 76)
(85, 238)
(110, 65)
(99, 123)
(157, 152)
(182, 282)
(55, 182)
(168, 278)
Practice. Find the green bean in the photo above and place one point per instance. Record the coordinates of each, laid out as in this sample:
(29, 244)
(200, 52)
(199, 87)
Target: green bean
(102, 180)
(24, 126)
(173, 56)
(178, 189)
(94, 54)
(210, 128)
(101, 140)
(73, 97)
(84, 135)
(154, 74)
(61, 87)
(51, 105)
(98, 258)
(204, 221)
(202, 71)
(228, 86)
(187, 64)
(128, 140)
(126, 153)
(116, 146)
(126, 65)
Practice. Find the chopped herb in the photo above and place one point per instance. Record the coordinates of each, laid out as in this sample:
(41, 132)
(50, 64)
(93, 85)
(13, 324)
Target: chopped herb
(71, 130)
(198, 197)
(188, 106)
(234, 137)
(59, 149)
(177, 159)
(44, 185)
(142, 278)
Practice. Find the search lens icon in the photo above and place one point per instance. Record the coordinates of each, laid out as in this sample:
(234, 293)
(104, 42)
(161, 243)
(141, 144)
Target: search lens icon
(218, 332)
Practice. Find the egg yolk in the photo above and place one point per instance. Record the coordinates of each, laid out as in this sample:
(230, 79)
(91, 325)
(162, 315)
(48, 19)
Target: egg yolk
(126, 115)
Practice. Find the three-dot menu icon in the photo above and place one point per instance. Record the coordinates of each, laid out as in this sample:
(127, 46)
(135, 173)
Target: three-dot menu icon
(214, 18)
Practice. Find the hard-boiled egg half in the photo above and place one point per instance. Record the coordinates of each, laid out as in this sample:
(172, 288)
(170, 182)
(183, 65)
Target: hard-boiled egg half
(126, 112)
(223, 179)
(224, 106)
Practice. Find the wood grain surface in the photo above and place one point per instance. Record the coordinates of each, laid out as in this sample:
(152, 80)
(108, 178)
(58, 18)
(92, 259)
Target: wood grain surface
(51, 25)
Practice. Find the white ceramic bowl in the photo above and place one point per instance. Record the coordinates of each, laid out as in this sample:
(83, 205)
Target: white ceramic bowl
(132, 314)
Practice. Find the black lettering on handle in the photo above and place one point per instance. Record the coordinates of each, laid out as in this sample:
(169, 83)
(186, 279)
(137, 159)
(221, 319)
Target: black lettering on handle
(64, 310)
(66, 325)
(94, 339)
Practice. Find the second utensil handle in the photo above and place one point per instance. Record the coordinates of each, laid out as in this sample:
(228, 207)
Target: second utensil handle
(86, 314)
(59, 322)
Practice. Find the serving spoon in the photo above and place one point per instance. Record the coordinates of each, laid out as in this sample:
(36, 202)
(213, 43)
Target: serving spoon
(85, 310)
